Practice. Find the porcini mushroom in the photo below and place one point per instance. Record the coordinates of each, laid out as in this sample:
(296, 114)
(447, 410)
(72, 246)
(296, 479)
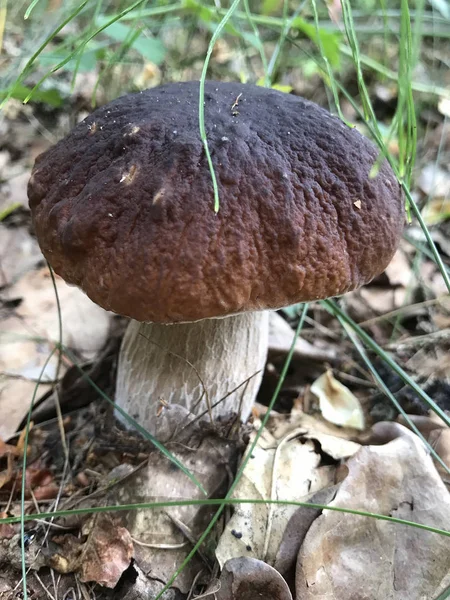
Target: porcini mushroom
(123, 208)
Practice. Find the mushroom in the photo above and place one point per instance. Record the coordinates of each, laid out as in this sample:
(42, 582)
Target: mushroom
(123, 207)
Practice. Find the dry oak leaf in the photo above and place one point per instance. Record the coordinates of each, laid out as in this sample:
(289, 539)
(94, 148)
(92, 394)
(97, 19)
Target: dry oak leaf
(250, 579)
(102, 557)
(362, 558)
(287, 468)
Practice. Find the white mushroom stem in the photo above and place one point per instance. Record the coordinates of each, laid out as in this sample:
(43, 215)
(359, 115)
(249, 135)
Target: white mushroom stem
(192, 364)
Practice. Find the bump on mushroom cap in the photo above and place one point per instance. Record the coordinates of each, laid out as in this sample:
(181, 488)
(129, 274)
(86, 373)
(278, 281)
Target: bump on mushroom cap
(123, 206)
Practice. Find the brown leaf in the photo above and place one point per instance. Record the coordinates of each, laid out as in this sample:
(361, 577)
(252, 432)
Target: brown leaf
(101, 555)
(161, 541)
(436, 433)
(107, 553)
(37, 479)
(298, 527)
(6, 531)
(250, 579)
(349, 556)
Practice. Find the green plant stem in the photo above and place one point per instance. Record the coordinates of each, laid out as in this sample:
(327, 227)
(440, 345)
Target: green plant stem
(201, 101)
(22, 518)
(218, 502)
(387, 392)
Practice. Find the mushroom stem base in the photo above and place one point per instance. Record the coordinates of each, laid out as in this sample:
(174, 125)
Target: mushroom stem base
(194, 365)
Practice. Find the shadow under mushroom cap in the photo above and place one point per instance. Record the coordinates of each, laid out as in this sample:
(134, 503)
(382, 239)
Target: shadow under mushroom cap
(123, 206)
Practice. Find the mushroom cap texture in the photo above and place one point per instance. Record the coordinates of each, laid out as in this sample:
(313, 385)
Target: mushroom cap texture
(123, 206)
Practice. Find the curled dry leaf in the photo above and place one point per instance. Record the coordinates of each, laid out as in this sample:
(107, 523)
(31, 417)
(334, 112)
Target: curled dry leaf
(337, 403)
(248, 579)
(335, 441)
(102, 555)
(349, 556)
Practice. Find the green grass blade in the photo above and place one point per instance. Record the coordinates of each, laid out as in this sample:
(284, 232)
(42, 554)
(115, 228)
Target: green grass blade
(383, 387)
(219, 502)
(26, 70)
(30, 9)
(334, 309)
(201, 100)
(24, 471)
(80, 48)
(445, 594)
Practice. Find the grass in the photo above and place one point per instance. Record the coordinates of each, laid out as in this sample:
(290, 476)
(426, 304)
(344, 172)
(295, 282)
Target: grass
(309, 39)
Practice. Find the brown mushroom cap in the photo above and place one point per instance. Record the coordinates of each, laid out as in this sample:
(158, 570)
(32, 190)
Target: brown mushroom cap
(123, 206)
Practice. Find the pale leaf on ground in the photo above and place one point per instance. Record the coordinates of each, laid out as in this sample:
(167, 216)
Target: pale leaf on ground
(337, 403)
(399, 271)
(163, 537)
(437, 434)
(383, 300)
(335, 441)
(434, 181)
(281, 336)
(349, 556)
(29, 333)
(19, 252)
(283, 469)
(14, 191)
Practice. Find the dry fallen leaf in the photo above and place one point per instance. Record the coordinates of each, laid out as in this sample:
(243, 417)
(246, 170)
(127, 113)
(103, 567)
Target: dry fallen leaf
(298, 527)
(102, 556)
(399, 271)
(6, 531)
(337, 403)
(28, 336)
(335, 441)
(249, 579)
(437, 434)
(281, 336)
(383, 300)
(19, 252)
(280, 469)
(353, 557)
